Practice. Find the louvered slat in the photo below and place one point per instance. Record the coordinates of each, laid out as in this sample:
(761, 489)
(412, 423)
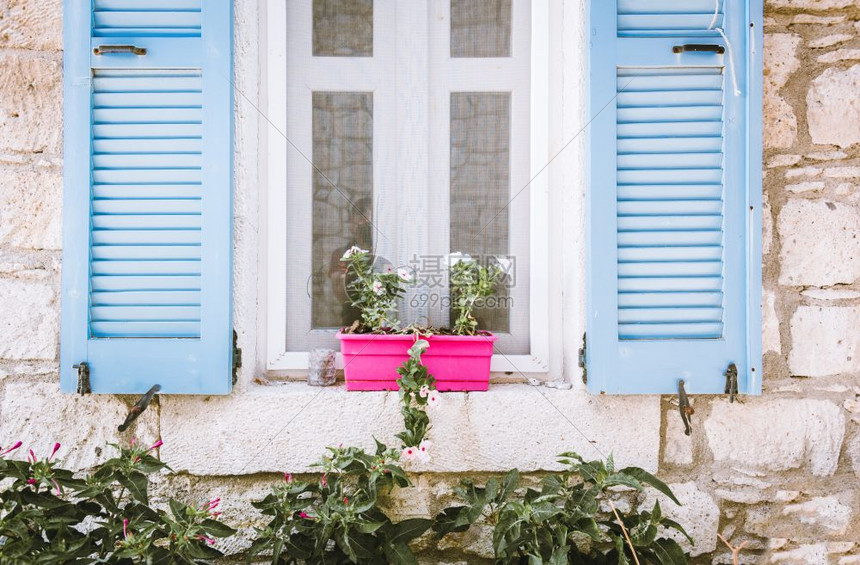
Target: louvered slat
(146, 207)
(668, 17)
(178, 18)
(670, 203)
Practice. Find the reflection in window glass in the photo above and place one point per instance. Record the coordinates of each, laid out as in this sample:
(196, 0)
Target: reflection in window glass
(480, 28)
(343, 28)
(480, 186)
(342, 197)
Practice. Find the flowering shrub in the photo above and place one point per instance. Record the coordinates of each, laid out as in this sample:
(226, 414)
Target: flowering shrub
(47, 515)
(417, 393)
(374, 294)
(470, 283)
(335, 518)
(567, 520)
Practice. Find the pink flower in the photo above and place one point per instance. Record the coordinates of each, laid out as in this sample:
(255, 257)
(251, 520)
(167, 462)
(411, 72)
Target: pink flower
(304, 515)
(155, 445)
(32, 457)
(57, 486)
(54, 452)
(323, 482)
(125, 531)
(424, 451)
(424, 391)
(378, 288)
(288, 477)
(433, 399)
(11, 449)
(211, 505)
(208, 540)
(409, 453)
(346, 501)
(31, 481)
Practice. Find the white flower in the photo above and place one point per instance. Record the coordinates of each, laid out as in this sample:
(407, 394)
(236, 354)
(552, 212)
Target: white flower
(404, 274)
(352, 251)
(409, 454)
(378, 288)
(424, 451)
(433, 398)
(424, 391)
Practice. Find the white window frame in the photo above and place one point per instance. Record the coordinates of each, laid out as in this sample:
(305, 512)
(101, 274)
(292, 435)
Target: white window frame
(273, 173)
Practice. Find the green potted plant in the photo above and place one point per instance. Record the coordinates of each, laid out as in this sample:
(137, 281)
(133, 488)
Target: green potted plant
(375, 346)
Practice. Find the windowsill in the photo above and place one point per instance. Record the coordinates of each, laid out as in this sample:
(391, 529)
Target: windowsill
(286, 427)
(503, 367)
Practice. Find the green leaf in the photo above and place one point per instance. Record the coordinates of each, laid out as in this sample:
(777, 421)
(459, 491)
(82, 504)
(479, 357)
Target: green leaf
(217, 529)
(399, 554)
(647, 478)
(656, 512)
(620, 479)
(668, 552)
(509, 485)
(137, 485)
(543, 511)
(368, 527)
(408, 530)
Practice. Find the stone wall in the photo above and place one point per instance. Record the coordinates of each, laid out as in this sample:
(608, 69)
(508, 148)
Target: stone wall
(780, 471)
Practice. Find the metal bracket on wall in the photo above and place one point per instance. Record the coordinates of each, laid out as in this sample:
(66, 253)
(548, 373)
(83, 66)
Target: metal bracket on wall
(731, 381)
(685, 408)
(237, 357)
(582, 358)
(139, 407)
(83, 378)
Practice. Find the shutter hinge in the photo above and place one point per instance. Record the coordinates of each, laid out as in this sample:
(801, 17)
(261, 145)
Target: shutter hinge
(237, 357)
(582, 364)
(731, 381)
(83, 378)
(685, 408)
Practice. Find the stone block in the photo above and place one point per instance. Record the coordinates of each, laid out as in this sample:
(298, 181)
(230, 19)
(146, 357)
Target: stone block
(39, 415)
(814, 554)
(31, 24)
(31, 208)
(830, 40)
(30, 320)
(820, 243)
(840, 55)
(813, 4)
(825, 341)
(833, 108)
(780, 122)
(777, 435)
(677, 447)
(288, 427)
(818, 518)
(31, 105)
(770, 323)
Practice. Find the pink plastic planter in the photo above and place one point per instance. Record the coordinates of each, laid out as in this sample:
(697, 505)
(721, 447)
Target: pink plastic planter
(459, 363)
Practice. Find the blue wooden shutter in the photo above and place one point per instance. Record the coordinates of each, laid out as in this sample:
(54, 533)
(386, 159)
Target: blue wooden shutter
(674, 265)
(147, 243)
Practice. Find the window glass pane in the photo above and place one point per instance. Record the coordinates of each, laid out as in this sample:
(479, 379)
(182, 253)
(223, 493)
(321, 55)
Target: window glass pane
(343, 28)
(480, 28)
(342, 197)
(480, 188)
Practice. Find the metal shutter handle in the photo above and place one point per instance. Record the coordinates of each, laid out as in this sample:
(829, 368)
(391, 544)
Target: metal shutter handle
(699, 48)
(108, 49)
